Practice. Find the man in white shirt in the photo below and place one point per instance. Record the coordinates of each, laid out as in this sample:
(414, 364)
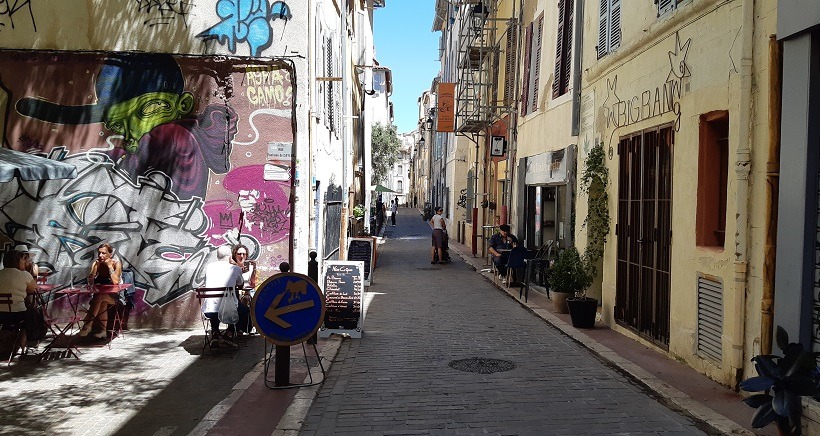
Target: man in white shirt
(438, 224)
(221, 273)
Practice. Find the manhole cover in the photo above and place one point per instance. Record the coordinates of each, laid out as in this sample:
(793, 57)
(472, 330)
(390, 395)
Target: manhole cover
(427, 269)
(482, 365)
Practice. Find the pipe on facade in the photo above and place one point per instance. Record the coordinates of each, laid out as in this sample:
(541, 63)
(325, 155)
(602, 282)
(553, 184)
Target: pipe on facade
(772, 194)
(742, 169)
(345, 140)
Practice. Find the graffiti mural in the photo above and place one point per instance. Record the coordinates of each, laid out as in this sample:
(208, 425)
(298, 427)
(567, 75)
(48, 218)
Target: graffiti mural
(173, 156)
(247, 21)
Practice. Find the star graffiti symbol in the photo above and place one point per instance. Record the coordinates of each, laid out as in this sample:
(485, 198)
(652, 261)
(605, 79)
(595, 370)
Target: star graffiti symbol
(677, 59)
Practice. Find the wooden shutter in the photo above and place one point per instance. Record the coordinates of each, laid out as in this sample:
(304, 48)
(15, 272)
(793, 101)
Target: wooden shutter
(509, 64)
(537, 73)
(665, 6)
(329, 104)
(567, 56)
(559, 49)
(615, 25)
(603, 29)
(525, 88)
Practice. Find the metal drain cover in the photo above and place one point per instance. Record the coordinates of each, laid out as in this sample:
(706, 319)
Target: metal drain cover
(482, 365)
(427, 269)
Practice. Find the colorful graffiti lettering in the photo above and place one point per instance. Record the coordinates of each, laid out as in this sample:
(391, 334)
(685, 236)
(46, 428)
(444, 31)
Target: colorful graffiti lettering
(152, 231)
(164, 11)
(246, 21)
(9, 8)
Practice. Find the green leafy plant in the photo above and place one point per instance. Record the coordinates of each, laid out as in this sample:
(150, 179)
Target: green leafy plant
(594, 181)
(358, 211)
(385, 151)
(782, 381)
(570, 273)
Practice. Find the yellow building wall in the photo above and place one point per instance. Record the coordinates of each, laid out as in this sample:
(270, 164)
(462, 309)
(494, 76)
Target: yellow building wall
(714, 58)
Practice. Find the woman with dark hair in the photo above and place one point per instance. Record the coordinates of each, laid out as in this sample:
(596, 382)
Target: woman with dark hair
(104, 271)
(239, 257)
(17, 281)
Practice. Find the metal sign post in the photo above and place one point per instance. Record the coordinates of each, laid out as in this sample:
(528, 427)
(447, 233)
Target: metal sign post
(286, 310)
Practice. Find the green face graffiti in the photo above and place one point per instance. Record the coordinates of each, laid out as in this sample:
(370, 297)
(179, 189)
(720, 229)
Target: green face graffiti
(135, 117)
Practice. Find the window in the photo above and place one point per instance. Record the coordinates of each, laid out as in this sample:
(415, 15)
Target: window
(399, 170)
(399, 188)
(509, 63)
(532, 66)
(665, 6)
(609, 27)
(713, 169)
(563, 48)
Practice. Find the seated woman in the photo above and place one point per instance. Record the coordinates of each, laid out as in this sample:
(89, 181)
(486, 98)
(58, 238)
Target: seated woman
(239, 257)
(104, 271)
(19, 283)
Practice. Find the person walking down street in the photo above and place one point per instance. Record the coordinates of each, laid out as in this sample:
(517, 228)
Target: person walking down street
(394, 207)
(438, 224)
(500, 245)
(379, 216)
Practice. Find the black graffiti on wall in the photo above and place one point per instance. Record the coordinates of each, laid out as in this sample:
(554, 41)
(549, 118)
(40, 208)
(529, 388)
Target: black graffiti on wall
(163, 12)
(10, 8)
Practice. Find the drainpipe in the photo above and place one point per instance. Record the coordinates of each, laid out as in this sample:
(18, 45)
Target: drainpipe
(343, 127)
(772, 194)
(742, 168)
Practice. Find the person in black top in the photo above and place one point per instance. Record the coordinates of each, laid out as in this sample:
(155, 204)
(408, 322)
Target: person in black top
(500, 244)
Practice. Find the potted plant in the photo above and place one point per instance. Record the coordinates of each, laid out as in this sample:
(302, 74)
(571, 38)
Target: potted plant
(782, 381)
(568, 278)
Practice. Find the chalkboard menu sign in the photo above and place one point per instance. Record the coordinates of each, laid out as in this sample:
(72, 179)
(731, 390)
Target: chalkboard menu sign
(342, 283)
(362, 249)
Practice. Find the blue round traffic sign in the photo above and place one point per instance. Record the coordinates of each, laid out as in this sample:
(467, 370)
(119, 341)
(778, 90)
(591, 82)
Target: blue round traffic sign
(288, 308)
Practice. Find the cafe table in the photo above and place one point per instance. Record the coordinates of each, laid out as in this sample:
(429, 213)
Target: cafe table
(74, 295)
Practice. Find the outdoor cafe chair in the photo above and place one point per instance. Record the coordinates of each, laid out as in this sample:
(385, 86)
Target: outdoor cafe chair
(16, 329)
(516, 260)
(203, 294)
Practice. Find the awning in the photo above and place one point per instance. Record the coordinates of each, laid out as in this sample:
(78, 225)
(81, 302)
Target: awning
(30, 167)
(380, 188)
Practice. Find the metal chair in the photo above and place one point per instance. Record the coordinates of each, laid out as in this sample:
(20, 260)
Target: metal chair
(17, 328)
(516, 260)
(203, 294)
(538, 265)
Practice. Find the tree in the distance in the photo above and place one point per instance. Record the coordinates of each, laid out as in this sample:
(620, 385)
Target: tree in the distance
(386, 146)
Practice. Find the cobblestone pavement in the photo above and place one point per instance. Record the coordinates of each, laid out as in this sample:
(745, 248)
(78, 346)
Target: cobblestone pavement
(397, 378)
(149, 383)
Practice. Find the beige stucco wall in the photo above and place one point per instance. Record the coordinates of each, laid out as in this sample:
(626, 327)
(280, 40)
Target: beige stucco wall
(641, 63)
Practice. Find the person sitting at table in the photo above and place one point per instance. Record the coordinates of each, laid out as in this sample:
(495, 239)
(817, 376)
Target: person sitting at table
(31, 267)
(19, 283)
(221, 273)
(500, 245)
(239, 257)
(104, 271)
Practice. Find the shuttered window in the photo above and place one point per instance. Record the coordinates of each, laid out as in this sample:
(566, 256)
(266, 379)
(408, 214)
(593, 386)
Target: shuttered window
(609, 26)
(563, 48)
(665, 6)
(509, 64)
(532, 66)
(525, 88)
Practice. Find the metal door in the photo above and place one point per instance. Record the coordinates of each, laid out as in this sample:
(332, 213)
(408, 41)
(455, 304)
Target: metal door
(644, 233)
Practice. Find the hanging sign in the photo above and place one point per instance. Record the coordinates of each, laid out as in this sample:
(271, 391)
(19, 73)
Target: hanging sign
(446, 107)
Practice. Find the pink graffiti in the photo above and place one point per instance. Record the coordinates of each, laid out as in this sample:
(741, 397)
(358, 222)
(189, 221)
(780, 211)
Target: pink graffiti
(266, 207)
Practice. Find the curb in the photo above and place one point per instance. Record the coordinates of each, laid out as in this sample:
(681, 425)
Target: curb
(660, 388)
(294, 416)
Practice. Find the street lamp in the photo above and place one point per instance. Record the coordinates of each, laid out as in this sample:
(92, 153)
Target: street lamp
(421, 142)
(430, 123)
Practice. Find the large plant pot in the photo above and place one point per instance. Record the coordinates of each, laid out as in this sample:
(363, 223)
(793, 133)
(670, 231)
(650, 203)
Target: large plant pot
(582, 311)
(559, 301)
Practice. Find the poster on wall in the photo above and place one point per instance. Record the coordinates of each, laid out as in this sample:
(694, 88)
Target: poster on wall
(171, 155)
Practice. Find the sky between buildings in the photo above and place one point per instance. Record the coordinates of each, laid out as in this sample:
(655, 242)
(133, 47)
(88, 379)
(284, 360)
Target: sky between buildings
(406, 45)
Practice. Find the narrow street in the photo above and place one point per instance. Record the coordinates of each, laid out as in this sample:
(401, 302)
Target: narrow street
(421, 318)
